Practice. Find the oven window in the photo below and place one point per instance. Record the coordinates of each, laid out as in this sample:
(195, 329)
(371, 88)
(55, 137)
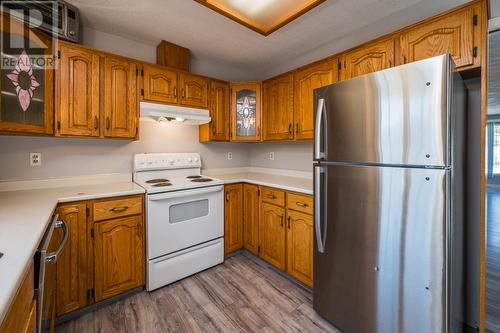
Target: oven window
(188, 210)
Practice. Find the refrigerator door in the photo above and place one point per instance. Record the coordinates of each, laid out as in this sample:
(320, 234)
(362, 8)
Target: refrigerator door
(381, 265)
(395, 116)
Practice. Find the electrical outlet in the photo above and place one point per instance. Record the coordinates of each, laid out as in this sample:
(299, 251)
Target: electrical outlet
(271, 155)
(229, 155)
(35, 159)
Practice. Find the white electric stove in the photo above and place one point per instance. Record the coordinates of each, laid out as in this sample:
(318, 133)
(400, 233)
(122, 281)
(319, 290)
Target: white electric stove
(184, 216)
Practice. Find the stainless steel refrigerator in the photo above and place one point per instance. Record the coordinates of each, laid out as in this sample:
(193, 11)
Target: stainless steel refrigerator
(389, 206)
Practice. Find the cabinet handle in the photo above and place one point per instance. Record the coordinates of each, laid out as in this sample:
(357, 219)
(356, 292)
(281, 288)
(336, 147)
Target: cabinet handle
(227, 196)
(119, 209)
(183, 93)
(301, 204)
(390, 63)
(289, 218)
(213, 129)
(175, 92)
(290, 128)
(282, 221)
(108, 123)
(297, 128)
(96, 123)
(271, 196)
(404, 59)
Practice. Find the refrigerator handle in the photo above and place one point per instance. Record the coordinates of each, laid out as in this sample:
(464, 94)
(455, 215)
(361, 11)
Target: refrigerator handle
(320, 110)
(318, 195)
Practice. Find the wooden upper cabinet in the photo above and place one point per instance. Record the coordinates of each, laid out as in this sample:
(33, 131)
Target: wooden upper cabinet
(272, 234)
(452, 33)
(219, 110)
(193, 90)
(369, 58)
(120, 98)
(251, 210)
(246, 111)
(233, 217)
(118, 256)
(160, 84)
(277, 105)
(72, 264)
(305, 81)
(299, 244)
(26, 100)
(77, 91)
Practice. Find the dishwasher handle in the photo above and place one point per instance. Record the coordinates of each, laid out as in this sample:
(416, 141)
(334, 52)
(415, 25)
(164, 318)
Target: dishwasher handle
(52, 256)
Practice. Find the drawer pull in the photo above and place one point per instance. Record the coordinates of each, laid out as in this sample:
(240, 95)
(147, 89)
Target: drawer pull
(301, 204)
(271, 196)
(119, 209)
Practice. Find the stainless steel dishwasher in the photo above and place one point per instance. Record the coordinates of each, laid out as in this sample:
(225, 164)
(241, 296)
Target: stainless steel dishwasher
(45, 273)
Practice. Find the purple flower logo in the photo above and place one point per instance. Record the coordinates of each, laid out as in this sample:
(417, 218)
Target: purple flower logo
(23, 79)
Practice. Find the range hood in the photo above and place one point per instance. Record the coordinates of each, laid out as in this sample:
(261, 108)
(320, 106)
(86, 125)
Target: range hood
(166, 113)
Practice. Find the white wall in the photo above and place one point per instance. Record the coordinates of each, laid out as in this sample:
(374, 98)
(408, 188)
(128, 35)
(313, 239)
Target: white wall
(287, 155)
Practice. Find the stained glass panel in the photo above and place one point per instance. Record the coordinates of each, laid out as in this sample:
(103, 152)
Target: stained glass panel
(246, 104)
(22, 89)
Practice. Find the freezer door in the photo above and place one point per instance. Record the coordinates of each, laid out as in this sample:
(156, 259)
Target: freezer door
(379, 263)
(395, 116)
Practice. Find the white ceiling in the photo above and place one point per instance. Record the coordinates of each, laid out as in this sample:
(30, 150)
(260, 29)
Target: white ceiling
(331, 27)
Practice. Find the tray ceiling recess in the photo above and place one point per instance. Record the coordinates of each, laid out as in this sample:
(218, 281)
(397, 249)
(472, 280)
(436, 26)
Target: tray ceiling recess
(262, 16)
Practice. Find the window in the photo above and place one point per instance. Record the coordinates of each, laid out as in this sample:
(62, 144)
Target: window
(493, 148)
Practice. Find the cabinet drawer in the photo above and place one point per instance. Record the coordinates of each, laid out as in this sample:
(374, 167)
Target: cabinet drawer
(108, 209)
(273, 196)
(301, 203)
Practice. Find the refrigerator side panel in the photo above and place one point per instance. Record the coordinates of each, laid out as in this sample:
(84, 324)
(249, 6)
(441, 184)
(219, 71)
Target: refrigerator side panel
(383, 266)
(396, 116)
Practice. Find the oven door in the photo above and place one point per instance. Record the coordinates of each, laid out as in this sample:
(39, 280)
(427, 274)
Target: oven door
(180, 219)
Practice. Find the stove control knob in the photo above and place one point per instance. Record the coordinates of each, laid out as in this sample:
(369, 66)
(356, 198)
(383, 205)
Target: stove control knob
(190, 159)
(196, 159)
(171, 161)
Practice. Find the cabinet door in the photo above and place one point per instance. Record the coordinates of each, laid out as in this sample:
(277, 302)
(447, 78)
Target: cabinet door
(120, 98)
(118, 256)
(160, 84)
(245, 111)
(194, 90)
(233, 218)
(72, 265)
(251, 214)
(305, 81)
(218, 128)
(77, 91)
(299, 246)
(368, 59)
(452, 33)
(272, 234)
(27, 91)
(277, 108)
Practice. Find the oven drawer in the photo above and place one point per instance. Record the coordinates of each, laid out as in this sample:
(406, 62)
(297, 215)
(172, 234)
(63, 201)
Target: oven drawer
(108, 209)
(301, 203)
(273, 196)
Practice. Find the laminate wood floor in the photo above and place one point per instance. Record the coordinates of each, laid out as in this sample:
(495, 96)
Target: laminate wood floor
(493, 260)
(242, 295)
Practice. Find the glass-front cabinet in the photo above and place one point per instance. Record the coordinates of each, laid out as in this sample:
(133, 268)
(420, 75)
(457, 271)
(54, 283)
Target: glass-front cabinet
(246, 111)
(27, 85)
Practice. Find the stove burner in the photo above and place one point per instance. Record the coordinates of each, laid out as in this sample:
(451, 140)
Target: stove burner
(201, 180)
(162, 184)
(155, 181)
(193, 177)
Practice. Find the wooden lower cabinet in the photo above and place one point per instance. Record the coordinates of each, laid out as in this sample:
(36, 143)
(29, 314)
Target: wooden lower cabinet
(118, 256)
(251, 216)
(299, 246)
(104, 255)
(233, 217)
(72, 264)
(272, 234)
(22, 312)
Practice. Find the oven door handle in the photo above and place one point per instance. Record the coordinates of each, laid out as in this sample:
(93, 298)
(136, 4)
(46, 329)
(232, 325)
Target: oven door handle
(52, 256)
(187, 193)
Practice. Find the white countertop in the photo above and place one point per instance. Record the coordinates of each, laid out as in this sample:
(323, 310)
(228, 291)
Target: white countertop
(24, 216)
(285, 181)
